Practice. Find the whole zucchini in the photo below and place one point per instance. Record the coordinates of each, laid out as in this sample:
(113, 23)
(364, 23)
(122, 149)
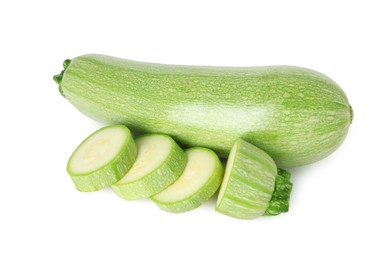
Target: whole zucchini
(296, 115)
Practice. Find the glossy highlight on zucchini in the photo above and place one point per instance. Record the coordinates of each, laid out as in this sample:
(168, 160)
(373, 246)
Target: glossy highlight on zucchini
(296, 115)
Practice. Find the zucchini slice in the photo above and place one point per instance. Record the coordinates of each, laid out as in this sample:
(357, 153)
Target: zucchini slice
(159, 163)
(201, 178)
(249, 182)
(102, 159)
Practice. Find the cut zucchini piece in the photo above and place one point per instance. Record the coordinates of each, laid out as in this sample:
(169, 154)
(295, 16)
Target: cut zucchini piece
(249, 182)
(102, 159)
(159, 163)
(201, 178)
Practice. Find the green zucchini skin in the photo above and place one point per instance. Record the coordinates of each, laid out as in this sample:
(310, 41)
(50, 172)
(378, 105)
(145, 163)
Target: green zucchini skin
(247, 190)
(296, 115)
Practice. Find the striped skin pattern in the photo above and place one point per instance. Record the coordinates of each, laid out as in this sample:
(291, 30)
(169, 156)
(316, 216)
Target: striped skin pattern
(247, 188)
(298, 116)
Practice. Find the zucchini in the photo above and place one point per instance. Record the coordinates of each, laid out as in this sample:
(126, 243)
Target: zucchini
(102, 159)
(159, 163)
(296, 115)
(199, 181)
(249, 182)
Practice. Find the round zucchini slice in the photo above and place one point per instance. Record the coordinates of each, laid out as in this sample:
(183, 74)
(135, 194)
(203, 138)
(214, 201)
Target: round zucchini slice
(102, 159)
(199, 181)
(159, 163)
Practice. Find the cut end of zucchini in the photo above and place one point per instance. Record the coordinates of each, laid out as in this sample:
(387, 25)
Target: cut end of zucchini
(159, 163)
(201, 178)
(228, 170)
(280, 198)
(98, 150)
(102, 158)
(152, 151)
(248, 183)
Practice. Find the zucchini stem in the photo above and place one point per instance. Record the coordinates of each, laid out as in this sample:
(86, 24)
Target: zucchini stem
(280, 198)
(58, 77)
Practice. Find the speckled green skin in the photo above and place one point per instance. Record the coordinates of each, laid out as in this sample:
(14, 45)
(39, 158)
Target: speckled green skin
(110, 173)
(250, 185)
(296, 115)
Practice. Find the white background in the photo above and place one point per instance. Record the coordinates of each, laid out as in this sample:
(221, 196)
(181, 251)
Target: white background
(339, 206)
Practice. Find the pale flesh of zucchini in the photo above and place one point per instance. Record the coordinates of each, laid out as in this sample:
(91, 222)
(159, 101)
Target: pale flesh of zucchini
(228, 170)
(159, 163)
(201, 178)
(102, 158)
(248, 183)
